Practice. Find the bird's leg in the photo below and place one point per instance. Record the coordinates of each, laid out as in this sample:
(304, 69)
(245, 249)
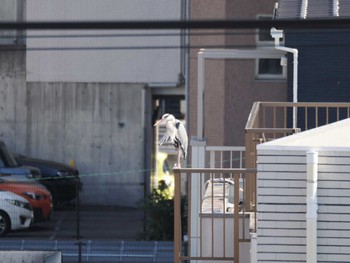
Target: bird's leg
(178, 158)
(178, 164)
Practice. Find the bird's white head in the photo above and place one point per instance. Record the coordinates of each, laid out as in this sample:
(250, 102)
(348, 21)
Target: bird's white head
(165, 118)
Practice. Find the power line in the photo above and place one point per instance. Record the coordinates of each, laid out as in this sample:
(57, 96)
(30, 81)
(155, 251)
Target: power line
(333, 23)
(82, 47)
(163, 34)
(95, 35)
(153, 47)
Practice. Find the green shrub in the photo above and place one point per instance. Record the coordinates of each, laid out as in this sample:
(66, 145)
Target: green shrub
(159, 215)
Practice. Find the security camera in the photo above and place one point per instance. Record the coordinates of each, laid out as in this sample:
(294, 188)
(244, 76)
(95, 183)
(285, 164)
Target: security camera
(276, 34)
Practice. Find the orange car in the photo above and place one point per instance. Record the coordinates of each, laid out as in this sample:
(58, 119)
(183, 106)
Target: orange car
(36, 194)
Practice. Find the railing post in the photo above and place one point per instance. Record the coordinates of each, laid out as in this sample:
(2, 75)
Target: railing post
(198, 161)
(236, 219)
(250, 162)
(253, 248)
(177, 217)
(250, 154)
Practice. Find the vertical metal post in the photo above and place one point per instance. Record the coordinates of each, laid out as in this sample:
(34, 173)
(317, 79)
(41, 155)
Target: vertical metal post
(77, 209)
(253, 248)
(200, 95)
(198, 161)
(236, 218)
(177, 216)
(311, 206)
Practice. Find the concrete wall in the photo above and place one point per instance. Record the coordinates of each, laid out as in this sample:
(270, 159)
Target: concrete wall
(8, 13)
(12, 10)
(99, 125)
(86, 100)
(13, 104)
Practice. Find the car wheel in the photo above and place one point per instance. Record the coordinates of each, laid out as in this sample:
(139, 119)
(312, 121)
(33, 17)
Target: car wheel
(4, 223)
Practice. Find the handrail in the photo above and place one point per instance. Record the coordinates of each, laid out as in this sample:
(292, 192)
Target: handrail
(252, 116)
(276, 130)
(214, 170)
(225, 148)
(258, 105)
(237, 228)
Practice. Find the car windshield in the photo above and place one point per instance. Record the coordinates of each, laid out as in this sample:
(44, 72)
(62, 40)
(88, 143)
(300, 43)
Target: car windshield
(7, 158)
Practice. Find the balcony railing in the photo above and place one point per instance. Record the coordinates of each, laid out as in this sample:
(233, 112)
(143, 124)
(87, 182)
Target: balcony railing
(217, 221)
(225, 156)
(222, 200)
(272, 120)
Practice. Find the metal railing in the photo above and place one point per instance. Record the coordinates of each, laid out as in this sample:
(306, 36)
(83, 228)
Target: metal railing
(272, 120)
(217, 221)
(225, 156)
(215, 229)
(97, 250)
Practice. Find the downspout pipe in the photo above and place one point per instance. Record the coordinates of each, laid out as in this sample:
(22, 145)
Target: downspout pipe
(311, 206)
(277, 35)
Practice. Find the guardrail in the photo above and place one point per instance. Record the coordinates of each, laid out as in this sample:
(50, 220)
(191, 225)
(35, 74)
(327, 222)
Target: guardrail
(217, 221)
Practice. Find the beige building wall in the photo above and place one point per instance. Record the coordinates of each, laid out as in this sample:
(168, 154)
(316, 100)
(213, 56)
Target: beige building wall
(230, 85)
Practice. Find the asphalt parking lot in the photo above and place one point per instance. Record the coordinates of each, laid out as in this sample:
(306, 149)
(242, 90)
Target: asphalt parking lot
(96, 222)
(108, 234)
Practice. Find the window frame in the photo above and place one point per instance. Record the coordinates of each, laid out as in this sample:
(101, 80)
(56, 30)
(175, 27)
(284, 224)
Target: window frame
(269, 76)
(267, 43)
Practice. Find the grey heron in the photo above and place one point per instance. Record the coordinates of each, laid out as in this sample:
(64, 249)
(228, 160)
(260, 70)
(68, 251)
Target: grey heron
(175, 134)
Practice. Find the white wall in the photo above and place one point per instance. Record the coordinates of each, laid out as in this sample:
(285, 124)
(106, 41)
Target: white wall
(102, 59)
(281, 205)
(281, 197)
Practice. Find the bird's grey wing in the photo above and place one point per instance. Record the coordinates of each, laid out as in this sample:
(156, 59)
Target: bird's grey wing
(166, 138)
(182, 137)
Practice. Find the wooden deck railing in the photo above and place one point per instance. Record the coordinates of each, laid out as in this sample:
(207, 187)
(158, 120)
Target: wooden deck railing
(216, 229)
(272, 120)
(216, 218)
(224, 156)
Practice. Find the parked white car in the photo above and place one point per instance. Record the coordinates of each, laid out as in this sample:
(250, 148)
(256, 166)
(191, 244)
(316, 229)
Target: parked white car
(15, 212)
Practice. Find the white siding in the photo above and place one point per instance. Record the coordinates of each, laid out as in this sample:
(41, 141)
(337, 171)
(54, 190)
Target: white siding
(282, 206)
(334, 208)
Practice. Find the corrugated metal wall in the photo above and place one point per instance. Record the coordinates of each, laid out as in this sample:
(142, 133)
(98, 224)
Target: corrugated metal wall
(323, 65)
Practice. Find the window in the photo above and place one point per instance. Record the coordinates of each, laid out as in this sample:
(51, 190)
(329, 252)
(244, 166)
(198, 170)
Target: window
(263, 35)
(270, 66)
(267, 68)
(174, 104)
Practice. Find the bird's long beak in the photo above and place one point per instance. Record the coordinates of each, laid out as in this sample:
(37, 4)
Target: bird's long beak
(158, 122)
